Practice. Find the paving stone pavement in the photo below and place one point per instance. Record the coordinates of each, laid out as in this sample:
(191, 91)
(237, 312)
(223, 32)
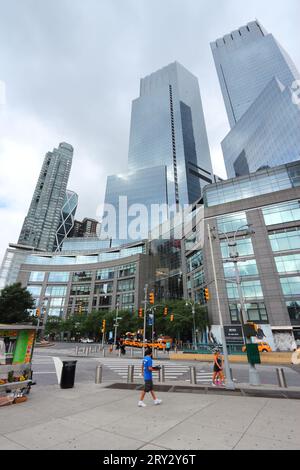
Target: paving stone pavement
(91, 416)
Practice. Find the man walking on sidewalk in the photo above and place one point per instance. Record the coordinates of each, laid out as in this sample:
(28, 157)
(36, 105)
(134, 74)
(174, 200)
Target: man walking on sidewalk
(147, 369)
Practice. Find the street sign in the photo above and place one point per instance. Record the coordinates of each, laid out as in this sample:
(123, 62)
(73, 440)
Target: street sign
(233, 334)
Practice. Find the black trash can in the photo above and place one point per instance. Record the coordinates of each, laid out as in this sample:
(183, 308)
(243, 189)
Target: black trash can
(68, 374)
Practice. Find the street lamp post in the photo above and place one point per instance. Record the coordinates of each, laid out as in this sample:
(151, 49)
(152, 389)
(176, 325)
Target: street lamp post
(229, 382)
(254, 378)
(116, 324)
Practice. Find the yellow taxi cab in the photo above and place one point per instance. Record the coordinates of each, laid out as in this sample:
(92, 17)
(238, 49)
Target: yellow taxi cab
(262, 348)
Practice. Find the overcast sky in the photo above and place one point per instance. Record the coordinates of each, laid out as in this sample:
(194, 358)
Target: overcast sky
(71, 69)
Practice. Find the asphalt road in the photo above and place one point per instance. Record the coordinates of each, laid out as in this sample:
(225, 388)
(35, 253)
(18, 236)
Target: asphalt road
(115, 368)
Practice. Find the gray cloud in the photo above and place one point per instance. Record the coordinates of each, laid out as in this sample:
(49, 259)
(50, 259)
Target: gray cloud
(74, 66)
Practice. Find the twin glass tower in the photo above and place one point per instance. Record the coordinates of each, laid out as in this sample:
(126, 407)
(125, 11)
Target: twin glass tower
(257, 79)
(169, 159)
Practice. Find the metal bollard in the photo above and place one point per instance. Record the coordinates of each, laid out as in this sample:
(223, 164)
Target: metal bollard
(130, 374)
(193, 375)
(98, 378)
(281, 378)
(119, 352)
(103, 351)
(131, 352)
(163, 375)
(76, 351)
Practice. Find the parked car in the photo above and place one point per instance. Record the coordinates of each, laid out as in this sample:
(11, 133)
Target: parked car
(262, 348)
(85, 340)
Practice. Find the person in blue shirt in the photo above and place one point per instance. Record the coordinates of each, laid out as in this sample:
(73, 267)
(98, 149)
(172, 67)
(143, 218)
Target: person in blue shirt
(147, 369)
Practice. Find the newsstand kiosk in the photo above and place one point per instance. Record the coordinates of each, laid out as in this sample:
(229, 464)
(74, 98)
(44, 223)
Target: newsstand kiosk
(16, 350)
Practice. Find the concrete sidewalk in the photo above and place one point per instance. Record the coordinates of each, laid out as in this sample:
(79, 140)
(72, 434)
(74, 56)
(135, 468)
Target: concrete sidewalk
(92, 416)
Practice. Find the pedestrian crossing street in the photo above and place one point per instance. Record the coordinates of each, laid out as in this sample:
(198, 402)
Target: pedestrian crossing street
(173, 372)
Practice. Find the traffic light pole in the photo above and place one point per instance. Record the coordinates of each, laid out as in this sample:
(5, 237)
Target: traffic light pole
(229, 382)
(145, 317)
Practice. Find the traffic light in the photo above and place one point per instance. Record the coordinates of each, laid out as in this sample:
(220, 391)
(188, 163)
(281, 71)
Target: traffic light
(141, 313)
(206, 294)
(38, 312)
(80, 309)
(172, 317)
(103, 325)
(165, 311)
(151, 298)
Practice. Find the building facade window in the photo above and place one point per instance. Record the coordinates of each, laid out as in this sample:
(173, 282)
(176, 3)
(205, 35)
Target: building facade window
(290, 286)
(103, 288)
(256, 312)
(251, 290)
(288, 264)
(58, 277)
(232, 222)
(126, 285)
(285, 241)
(195, 261)
(82, 276)
(35, 291)
(104, 274)
(245, 269)
(37, 276)
(244, 247)
(127, 270)
(105, 300)
(125, 300)
(199, 279)
(56, 291)
(282, 213)
(84, 289)
(294, 311)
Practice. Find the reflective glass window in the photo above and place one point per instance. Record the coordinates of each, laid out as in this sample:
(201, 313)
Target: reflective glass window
(103, 288)
(245, 268)
(232, 222)
(37, 276)
(127, 270)
(290, 286)
(294, 311)
(244, 247)
(58, 277)
(256, 312)
(104, 274)
(250, 289)
(195, 261)
(56, 291)
(287, 240)
(78, 289)
(82, 276)
(126, 285)
(34, 290)
(282, 213)
(288, 264)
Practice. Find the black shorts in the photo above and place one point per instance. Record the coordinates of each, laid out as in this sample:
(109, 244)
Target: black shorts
(217, 369)
(148, 386)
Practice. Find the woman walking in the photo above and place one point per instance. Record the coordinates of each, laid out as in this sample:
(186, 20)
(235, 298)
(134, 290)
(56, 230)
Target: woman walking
(218, 376)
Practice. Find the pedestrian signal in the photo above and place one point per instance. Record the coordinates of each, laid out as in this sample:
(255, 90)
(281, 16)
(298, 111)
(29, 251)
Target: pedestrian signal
(141, 313)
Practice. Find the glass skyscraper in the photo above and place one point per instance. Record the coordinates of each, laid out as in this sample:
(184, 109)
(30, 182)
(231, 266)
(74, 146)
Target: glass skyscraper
(40, 227)
(256, 77)
(66, 223)
(169, 158)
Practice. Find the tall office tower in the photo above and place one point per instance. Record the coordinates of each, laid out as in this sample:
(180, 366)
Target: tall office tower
(168, 128)
(256, 76)
(67, 221)
(169, 159)
(43, 218)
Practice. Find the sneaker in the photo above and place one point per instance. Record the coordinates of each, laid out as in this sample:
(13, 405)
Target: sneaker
(142, 404)
(157, 402)
(213, 384)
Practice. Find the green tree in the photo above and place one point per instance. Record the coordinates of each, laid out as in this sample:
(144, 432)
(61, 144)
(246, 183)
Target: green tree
(53, 326)
(15, 301)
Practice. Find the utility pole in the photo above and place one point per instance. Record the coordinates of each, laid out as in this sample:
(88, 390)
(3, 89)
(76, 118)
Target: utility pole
(254, 378)
(229, 382)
